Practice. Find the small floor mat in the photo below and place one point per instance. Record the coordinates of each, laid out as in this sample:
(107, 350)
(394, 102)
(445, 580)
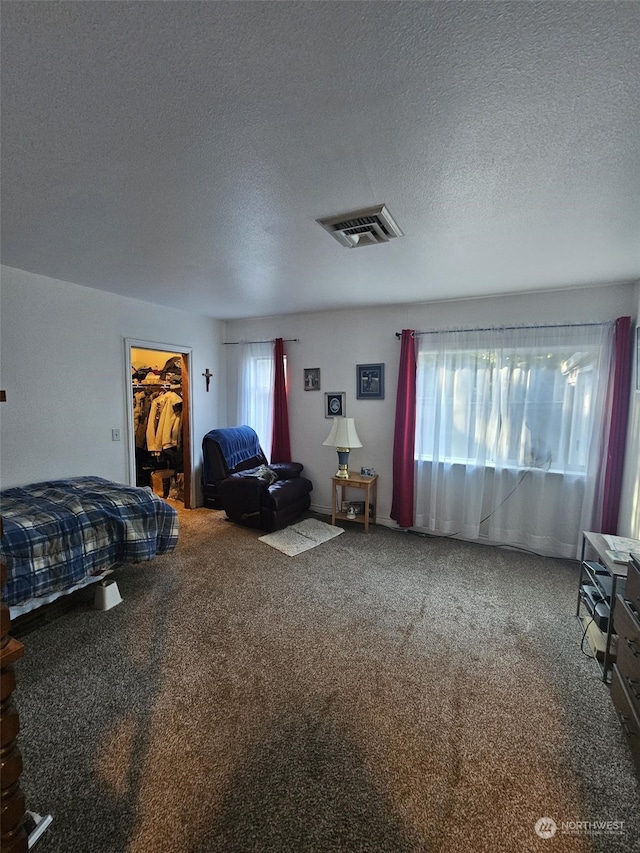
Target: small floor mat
(302, 536)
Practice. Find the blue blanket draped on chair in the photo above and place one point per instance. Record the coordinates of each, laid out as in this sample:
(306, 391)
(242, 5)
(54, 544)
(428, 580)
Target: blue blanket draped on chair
(237, 445)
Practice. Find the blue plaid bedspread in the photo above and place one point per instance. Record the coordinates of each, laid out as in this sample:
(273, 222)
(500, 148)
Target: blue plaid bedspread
(59, 532)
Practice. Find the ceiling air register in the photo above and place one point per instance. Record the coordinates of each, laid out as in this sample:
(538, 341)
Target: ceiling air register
(367, 227)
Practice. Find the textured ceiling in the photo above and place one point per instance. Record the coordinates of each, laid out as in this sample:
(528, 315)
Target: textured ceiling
(180, 152)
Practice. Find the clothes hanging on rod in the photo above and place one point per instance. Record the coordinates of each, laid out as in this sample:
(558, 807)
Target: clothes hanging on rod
(142, 401)
(164, 422)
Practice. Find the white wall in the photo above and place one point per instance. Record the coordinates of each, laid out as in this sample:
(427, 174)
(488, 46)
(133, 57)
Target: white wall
(62, 364)
(337, 341)
(629, 524)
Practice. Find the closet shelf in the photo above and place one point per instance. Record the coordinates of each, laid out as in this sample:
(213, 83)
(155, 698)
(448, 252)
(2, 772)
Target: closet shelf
(166, 385)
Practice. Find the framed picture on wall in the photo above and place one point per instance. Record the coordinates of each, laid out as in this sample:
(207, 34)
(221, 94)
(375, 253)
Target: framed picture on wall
(335, 404)
(311, 378)
(370, 379)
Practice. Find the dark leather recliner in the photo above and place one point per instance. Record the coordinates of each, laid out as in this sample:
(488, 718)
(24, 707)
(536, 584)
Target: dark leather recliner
(237, 478)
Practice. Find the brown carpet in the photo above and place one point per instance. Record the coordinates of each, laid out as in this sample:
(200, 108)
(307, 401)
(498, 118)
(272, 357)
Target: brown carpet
(381, 692)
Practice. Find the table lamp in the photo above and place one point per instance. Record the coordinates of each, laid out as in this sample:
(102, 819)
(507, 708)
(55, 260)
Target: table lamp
(343, 437)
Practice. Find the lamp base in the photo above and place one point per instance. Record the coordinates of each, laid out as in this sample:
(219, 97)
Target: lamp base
(343, 463)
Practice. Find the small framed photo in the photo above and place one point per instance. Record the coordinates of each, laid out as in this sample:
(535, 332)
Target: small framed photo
(370, 381)
(335, 404)
(312, 379)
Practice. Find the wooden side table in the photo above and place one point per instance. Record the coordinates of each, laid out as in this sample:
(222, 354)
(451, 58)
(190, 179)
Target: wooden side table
(369, 485)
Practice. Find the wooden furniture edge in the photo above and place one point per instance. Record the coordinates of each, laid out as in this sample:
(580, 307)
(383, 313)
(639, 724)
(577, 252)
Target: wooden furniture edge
(13, 836)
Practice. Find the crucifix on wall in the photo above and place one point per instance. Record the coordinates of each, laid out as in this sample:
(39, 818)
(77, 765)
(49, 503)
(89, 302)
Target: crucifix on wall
(207, 375)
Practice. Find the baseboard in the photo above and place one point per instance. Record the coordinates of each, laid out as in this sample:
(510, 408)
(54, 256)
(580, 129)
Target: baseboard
(326, 510)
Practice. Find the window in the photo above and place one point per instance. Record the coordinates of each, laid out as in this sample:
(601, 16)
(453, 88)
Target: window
(255, 400)
(510, 428)
(516, 407)
(259, 380)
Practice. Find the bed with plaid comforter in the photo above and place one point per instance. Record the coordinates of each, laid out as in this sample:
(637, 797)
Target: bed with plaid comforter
(60, 532)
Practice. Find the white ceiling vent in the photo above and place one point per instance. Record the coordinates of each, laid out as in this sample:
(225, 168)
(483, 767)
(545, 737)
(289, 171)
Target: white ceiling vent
(366, 227)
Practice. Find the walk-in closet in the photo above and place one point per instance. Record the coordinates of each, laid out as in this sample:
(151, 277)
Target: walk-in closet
(159, 384)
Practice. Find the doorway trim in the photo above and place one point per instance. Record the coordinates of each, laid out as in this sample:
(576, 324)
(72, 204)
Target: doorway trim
(129, 343)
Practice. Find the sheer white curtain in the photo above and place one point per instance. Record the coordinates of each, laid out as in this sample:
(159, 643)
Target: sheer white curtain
(511, 431)
(255, 390)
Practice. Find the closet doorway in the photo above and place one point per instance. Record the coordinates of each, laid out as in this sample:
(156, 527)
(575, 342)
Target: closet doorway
(159, 419)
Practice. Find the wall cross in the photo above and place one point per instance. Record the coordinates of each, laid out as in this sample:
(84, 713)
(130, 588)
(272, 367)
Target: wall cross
(207, 377)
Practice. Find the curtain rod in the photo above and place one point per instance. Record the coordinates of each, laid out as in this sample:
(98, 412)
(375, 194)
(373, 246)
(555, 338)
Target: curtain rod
(270, 341)
(506, 328)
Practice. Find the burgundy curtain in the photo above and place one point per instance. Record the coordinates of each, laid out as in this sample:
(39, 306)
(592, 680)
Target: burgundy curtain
(280, 444)
(404, 434)
(618, 430)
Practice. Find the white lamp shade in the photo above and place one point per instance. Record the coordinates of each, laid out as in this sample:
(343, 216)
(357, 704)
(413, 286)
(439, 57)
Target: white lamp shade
(343, 434)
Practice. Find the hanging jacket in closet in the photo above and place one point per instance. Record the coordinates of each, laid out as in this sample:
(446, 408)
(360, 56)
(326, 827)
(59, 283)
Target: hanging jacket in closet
(163, 426)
